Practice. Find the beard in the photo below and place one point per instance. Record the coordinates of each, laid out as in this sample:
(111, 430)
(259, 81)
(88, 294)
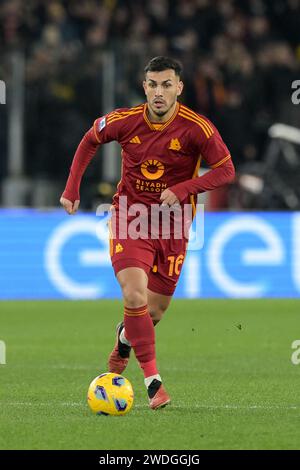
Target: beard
(162, 112)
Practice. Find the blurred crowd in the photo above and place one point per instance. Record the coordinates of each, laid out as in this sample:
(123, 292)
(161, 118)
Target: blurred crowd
(240, 59)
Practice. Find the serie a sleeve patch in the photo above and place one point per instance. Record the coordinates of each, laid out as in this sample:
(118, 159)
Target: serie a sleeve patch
(102, 124)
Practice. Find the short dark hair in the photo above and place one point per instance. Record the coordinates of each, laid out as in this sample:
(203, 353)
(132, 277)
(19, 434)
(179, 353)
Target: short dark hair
(160, 63)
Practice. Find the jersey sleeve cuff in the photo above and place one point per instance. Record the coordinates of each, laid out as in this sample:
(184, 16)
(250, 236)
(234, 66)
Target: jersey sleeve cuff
(71, 196)
(180, 191)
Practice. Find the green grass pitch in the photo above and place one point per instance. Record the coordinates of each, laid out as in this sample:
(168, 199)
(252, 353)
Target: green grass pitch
(226, 364)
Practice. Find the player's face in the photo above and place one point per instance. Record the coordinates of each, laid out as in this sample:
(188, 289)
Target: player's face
(161, 90)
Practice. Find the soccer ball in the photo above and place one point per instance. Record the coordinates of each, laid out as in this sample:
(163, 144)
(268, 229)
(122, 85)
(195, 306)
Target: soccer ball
(110, 394)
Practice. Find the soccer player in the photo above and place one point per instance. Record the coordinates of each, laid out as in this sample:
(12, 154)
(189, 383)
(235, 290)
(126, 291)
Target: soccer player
(162, 144)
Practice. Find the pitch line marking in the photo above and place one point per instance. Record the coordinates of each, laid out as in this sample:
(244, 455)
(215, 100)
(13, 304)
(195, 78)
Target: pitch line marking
(204, 407)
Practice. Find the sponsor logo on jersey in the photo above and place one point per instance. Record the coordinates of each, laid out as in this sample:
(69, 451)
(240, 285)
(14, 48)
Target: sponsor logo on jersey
(152, 169)
(150, 186)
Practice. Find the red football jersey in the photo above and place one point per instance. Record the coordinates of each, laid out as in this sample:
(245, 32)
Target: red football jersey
(158, 156)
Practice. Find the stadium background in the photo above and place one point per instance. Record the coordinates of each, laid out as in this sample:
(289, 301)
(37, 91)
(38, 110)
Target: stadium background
(64, 63)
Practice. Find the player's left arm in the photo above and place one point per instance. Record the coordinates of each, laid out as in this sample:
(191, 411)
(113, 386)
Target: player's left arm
(216, 154)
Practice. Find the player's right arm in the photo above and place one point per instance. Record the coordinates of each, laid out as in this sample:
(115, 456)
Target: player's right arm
(98, 134)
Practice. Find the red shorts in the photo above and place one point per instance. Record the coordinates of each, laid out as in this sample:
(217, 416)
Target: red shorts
(161, 260)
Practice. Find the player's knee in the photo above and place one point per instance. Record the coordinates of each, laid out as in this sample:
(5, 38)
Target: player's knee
(134, 296)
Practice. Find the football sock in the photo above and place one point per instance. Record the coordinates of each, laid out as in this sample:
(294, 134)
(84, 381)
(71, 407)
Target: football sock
(123, 338)
(140, 332)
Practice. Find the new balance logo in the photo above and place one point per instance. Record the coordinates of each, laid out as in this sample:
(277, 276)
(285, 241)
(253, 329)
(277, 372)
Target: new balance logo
(119, 248)
(175, 144)
(135, 140)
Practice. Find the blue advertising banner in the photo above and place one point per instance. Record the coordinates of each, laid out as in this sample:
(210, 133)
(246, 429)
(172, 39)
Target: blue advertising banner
(49, 255)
